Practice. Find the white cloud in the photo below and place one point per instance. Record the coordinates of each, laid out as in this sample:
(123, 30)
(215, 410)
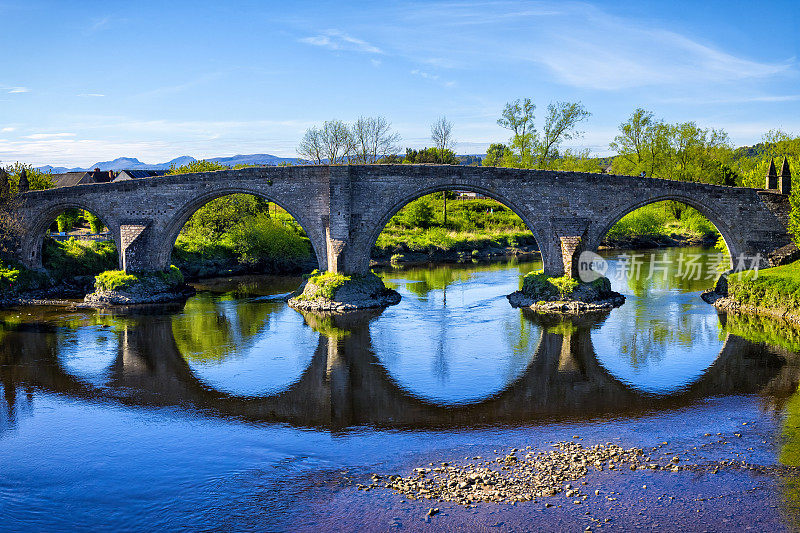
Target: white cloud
(36, 136)
(18, 90)
(338, 40)
(425, 75)
(7, 129)
(99, 23)
(577, 43)
(91, 95)
(433, 77)
(375, 62)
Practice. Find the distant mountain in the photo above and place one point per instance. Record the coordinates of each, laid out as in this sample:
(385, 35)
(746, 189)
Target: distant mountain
(56, 170)
(254, 159)
(131, 163)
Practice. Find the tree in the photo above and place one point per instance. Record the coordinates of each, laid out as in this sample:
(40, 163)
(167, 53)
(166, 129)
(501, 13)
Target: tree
(442, 136)
(526, 148)
(634, 134)
(642, 145)
(682, 151)
(311, 146)
(95, 224)
(420, 213)
(37, 180)
(197, 166)
(337, 142)
(518, 116)
(373, 139)
(332, 143)
(560, 125)
(430, 155)
(495, 155)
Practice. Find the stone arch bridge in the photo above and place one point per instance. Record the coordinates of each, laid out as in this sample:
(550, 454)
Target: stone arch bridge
(344, 208)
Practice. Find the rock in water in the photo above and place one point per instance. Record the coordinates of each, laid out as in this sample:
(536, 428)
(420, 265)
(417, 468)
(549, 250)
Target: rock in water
(563, 295)
(338, 293)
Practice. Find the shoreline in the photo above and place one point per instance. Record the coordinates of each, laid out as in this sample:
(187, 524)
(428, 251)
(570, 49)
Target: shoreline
(730, 305)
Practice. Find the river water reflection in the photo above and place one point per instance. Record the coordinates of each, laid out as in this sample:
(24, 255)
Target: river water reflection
(234, 409)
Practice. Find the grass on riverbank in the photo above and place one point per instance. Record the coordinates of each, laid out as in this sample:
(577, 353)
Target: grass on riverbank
(472, 224)
(63, 261)
(777, 287)
(475, 224)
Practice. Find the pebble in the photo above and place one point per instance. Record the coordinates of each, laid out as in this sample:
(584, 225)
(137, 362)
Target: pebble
(518, 476)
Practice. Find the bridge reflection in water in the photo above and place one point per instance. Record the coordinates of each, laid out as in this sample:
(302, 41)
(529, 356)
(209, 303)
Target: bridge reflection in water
(345, 384)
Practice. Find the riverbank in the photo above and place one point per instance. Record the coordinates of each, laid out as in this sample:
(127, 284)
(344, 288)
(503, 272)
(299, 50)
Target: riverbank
(772, 292)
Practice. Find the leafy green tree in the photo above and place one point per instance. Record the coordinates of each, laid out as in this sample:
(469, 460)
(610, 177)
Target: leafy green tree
(430, 156)
(67, 220)
(682, 151)
(420, 213)
(37, 179)
(197, 166)
(495, 155)
(94, 222)
(640, 137)
(518, 117)
(527, 149)
(560, 125)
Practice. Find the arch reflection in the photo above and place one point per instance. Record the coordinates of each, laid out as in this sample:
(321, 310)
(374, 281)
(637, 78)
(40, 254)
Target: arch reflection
(346, 385)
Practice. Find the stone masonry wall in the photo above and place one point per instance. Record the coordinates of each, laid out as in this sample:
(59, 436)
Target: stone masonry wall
(343, 209)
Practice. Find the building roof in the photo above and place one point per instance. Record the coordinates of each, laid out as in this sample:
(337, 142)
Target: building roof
(68, 179)
(138, 174)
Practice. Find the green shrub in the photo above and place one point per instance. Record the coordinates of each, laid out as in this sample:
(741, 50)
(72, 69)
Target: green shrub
(419, 213)
(260, 238)
(540, 285)
(112, 280)
(67, 220)
(70, 258)
(172, 277)
(642, 222)
(328, 283)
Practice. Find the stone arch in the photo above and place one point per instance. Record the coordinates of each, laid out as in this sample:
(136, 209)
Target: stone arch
(173, 227)
(536, 227)
(599, 229)
(33, 241)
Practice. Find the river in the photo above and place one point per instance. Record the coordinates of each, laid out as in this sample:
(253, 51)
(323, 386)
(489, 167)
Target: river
(235, 412)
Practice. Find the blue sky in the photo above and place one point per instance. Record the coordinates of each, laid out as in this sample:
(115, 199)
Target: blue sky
(87, 81)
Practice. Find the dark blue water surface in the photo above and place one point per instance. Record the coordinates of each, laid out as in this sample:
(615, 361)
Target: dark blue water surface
(235, 412)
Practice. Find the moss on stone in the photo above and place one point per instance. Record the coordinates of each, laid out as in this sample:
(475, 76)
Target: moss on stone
(540, 285)
(115, 280)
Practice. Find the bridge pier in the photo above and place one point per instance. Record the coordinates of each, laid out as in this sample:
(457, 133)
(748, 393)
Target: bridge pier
(337, 221)
(133, 253)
